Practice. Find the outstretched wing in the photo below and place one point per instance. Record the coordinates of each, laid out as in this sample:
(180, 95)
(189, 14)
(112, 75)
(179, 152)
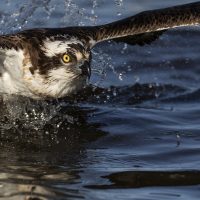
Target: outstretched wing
(140, 39)
(147, 26)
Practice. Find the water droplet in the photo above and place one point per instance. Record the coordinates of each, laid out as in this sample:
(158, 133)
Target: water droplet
(46, 132)
(114, 92)
(129, 69)
(119, 2)
(121, 77)
(137, 79)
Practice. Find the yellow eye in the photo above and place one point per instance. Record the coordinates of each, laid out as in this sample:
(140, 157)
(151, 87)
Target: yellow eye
(66, 58)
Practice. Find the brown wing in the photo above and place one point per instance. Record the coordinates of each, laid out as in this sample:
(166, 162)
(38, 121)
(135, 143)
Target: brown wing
(140, 39)
(145, 25)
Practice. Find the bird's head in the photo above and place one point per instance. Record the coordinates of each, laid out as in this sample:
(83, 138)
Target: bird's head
(51, 65)
(56, 65)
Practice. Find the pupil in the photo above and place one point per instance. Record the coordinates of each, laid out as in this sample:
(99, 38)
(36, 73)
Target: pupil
(66, 58)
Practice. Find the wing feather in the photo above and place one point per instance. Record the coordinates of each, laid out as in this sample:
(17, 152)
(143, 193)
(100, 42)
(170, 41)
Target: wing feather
(148, 22)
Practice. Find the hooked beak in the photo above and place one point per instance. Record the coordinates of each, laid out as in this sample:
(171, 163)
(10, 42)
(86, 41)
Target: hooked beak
(86, 70)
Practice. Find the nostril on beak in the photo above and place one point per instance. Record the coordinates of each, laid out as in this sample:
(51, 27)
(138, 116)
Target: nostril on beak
(86, 70)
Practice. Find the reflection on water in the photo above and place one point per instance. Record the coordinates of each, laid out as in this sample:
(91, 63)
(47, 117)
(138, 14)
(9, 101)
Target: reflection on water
(39, 155)
(35, 186)
(132, 134)
(137, 179)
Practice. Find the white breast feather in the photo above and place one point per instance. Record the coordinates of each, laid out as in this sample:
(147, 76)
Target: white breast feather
(62, 82)
(11, 79)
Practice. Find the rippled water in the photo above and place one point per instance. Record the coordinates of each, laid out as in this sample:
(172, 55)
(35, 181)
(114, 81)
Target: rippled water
(132, 134)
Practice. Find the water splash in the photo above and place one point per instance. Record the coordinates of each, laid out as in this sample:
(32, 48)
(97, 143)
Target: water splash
(18, 18)
(76, 15)
(100, 64)
(24, 113)
(73, 14)
(119, 3)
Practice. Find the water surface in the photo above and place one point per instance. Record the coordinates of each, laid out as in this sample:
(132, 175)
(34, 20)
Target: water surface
(134, 136)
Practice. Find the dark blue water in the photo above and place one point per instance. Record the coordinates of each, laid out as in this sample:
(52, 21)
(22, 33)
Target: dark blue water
(133, 134)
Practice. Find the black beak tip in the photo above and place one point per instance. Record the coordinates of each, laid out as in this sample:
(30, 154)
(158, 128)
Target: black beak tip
(86, 70)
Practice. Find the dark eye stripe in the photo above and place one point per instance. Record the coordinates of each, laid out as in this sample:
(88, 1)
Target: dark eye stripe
(78, 48)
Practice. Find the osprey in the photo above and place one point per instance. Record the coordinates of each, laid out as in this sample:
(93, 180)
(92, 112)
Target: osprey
(55, 62)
